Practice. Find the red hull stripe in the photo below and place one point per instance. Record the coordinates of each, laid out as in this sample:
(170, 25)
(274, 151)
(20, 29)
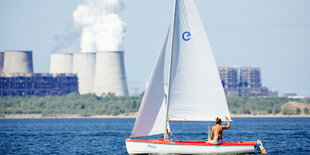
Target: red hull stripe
(162, 141)
(194, 121)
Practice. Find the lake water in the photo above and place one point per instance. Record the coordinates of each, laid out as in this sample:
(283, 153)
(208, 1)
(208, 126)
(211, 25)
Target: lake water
(106, 136)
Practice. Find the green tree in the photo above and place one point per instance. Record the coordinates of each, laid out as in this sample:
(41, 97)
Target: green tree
(306, 111)
(246, 111)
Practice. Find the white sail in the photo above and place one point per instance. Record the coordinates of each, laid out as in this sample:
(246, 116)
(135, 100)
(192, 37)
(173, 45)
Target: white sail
(195, 90)
(152, 113)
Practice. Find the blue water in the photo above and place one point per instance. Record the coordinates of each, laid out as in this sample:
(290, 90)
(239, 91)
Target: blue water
(106, 136)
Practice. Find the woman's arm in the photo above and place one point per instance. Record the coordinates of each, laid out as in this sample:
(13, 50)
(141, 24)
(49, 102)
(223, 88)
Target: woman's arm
(212, 133)
(228, 125)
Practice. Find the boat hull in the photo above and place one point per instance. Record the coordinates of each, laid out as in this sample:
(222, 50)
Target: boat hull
(160, 146)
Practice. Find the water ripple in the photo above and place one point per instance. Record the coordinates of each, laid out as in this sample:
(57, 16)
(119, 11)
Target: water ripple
(106, 136)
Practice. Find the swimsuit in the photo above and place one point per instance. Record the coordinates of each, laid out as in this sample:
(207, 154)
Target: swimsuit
(218, 142)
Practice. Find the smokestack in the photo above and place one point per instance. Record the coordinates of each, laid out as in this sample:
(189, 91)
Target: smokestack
(1, 61)
(102, 27)
(84, 66)
(17, 62)
(110, 73)
(61, 63)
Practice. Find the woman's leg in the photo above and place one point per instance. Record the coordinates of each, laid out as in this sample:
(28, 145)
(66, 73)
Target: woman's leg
(210, 142)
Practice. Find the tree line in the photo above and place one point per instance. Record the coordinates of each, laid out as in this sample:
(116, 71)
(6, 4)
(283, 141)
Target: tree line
(109, 104)
(264, 105)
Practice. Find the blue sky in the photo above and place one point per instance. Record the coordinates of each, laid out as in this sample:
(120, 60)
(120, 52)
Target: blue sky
(273, 35)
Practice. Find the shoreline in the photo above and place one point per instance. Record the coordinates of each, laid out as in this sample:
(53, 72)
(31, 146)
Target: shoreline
(55, 116)
(130, 115)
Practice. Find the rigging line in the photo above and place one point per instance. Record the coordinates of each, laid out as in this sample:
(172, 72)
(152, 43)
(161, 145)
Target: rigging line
(174, 136)
(209, 131)
(183, 127)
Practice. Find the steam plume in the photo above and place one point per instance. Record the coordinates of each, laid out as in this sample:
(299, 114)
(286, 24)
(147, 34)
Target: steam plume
(102, 28)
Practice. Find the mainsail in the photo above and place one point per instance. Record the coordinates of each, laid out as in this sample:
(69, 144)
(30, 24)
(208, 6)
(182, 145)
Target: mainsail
(195, 90)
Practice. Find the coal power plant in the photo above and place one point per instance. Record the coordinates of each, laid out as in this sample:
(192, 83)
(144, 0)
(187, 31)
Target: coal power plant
(97, 61)
(97, 73)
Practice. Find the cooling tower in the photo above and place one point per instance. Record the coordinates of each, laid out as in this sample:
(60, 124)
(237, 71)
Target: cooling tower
(84, 66)
(61, 63)
(110, 73)
(1, 61)
(17, 62)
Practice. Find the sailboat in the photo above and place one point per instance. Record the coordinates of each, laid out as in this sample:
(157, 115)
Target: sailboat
(194, 94)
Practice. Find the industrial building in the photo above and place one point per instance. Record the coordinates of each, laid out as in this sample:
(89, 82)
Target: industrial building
(250, 77)
(229, 76)
(248, 83)
(17, 77)
(40, 84)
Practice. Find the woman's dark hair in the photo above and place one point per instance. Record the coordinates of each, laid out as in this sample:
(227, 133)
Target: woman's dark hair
(218, 121)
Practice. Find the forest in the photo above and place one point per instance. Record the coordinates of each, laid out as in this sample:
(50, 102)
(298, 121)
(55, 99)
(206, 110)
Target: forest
(90, 104)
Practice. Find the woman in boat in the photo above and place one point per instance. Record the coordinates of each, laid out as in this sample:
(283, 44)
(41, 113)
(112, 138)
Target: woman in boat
(217, 131)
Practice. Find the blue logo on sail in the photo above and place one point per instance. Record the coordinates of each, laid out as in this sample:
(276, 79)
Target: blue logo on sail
(186, 36)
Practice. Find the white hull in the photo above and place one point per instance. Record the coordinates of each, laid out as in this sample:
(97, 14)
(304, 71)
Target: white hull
(134, 147)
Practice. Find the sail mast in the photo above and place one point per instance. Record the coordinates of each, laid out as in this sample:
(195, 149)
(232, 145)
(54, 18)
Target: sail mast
(166, 136)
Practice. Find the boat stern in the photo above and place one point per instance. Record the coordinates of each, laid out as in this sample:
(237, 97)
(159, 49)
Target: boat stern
(260, 148)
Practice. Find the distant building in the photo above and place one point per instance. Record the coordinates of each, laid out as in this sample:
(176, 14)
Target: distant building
(250, 77)
(296, 97)
(39, 84)
(289, 94)
(229, 76)
(232, 91)
(248, 84)
(273, 93)
(293, 96)
(246, 92)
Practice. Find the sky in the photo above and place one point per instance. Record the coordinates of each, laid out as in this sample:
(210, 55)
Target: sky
(273, 35)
